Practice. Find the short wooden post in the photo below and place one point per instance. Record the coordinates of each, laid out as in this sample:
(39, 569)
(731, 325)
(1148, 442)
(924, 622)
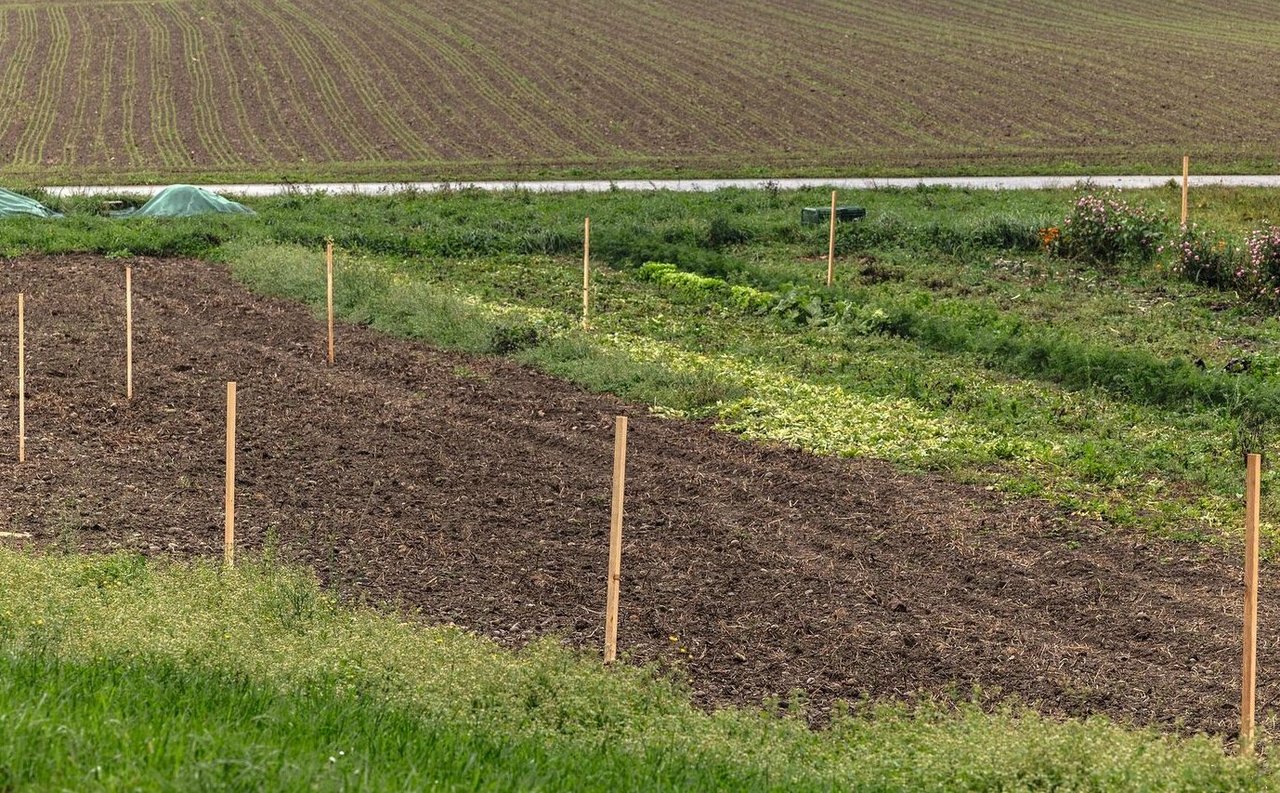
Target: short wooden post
(229, 501)
(615, 539)
(328, 262)
(831, 245)
(22, 380)
(1249, 665)
(128, 332)
(1186, 177)
(586, 274)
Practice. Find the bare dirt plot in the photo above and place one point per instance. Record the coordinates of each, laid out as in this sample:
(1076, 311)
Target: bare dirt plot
(478, 492)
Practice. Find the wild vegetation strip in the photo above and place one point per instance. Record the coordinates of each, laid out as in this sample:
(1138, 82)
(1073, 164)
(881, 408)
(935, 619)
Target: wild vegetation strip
(152, 675)
(294, 89)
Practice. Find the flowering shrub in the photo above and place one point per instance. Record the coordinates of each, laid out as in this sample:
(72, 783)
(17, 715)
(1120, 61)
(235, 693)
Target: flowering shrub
(1203, 259)
(1104, 229)
(1262, 262)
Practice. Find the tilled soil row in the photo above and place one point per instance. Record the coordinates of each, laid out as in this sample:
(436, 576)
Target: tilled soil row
(478, 492)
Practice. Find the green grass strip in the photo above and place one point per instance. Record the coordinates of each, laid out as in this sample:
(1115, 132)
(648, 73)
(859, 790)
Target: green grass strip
(116, 673)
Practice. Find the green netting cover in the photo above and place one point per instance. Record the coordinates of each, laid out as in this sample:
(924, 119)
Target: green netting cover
(182, 201)
(13, 205)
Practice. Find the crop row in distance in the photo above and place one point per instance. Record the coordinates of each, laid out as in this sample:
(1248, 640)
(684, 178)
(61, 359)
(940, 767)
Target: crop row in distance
(388, 88)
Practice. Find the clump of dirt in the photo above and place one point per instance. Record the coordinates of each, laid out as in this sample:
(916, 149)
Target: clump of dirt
(477, 492)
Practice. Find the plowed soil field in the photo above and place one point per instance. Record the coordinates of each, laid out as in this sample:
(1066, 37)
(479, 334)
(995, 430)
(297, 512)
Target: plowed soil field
(478, 492)
(269, 89)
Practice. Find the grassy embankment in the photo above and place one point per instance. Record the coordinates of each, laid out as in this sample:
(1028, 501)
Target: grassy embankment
(119, 674)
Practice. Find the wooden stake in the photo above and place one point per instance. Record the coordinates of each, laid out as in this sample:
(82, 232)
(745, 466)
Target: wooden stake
(1186, 176)
(1249, 665)
(229, 503)
(328, 260)
(615, 539)
(586, 273)
(22, 381)
(831, 246)
(128, 332)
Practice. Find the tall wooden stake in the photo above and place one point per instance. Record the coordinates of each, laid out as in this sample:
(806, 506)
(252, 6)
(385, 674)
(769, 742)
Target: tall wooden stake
(22, 380)
(831, 245)
(1249, 666)
(128, 332)
(328, 266)
(229, 502)
(615, 539)
(1186, 177)
(586, 273)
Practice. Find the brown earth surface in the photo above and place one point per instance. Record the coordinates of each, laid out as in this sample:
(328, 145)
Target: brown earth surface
(478, 492)
(269, 89)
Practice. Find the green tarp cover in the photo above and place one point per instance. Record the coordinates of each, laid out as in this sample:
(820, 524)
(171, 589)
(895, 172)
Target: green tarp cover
(181, 201)
(13, 205)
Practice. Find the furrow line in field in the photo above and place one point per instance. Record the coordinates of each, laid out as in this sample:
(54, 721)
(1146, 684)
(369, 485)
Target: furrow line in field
(969, 77)
(330, 101)
(1186, 20)
(31, 145)
(625, 88)
(733, 60)
(163, 102)
(521, 33)
(420, 103)
(377, 104)
(132, 106)
(881, 109)
(436, 100)
(344, 129)
(474, 95)
(34, 84)
(902, 97)
(636, 69)
(12, 88)
(6, 46)
(277, 93)
(245, 137)
(630, 84)
(493, 78)
(72, 129)
(100, 147)
(562, 108)
(160, 108)
(334, 71)
(204, 108)
(1095, 40)
(975, 68)
(400, 55)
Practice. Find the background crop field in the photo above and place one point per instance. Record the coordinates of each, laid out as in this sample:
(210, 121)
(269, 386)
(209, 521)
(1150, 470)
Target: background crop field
(271, 89)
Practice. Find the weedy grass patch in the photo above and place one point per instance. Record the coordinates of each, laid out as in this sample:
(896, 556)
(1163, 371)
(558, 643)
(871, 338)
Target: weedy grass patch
(119, 673)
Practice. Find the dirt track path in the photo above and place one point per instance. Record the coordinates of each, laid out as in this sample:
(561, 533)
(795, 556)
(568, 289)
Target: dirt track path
(478, 491)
